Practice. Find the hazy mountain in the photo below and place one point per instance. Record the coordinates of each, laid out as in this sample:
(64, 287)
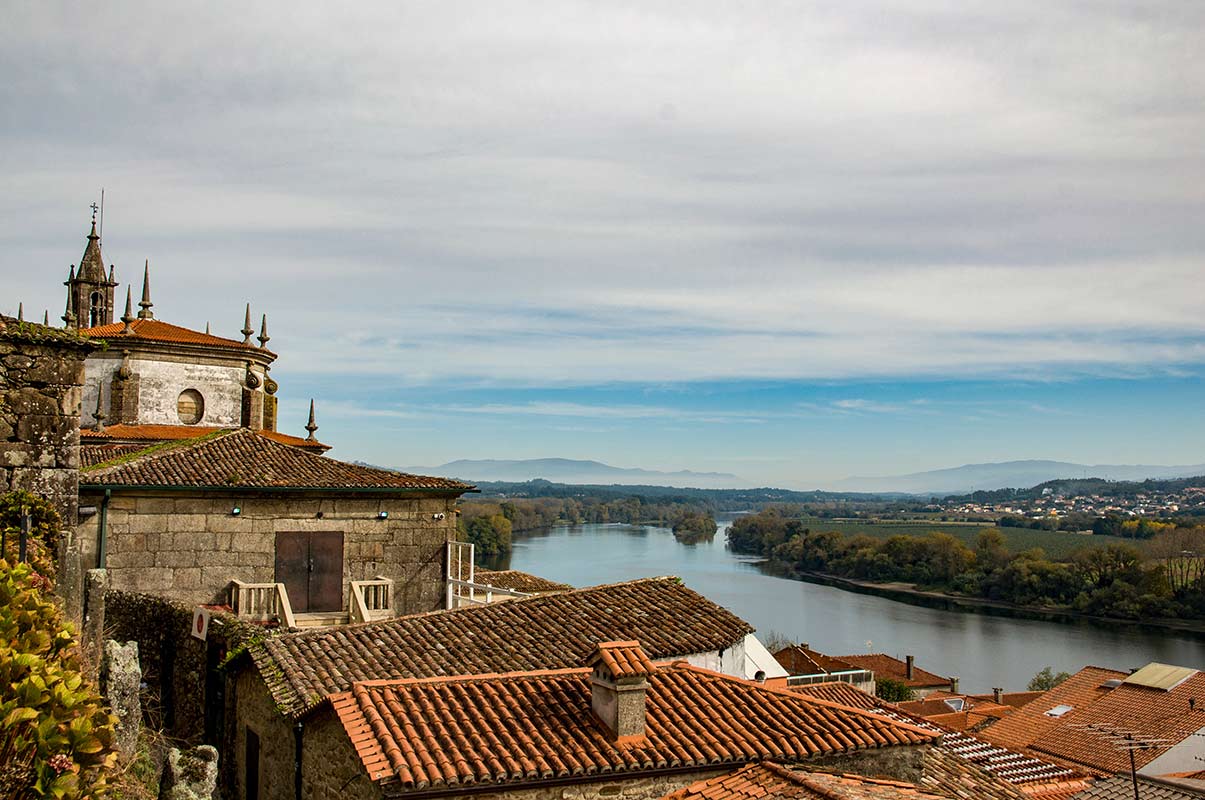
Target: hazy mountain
(1009, 475)
(565, 470)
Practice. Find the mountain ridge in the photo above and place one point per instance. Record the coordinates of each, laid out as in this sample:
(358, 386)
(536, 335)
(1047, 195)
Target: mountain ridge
(576, 471)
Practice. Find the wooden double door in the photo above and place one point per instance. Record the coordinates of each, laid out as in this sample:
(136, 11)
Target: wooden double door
(310, 565)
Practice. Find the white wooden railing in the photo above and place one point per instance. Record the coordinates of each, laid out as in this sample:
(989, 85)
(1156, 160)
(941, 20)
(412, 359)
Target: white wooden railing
(261, 602)
(462, 590)
(371, 600)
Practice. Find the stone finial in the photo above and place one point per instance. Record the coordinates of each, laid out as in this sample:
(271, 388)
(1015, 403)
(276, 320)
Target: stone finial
(128, 317)
(311, 426)
(46, 317)
(247, 329)
(145, 303)
(20, 312)
(68, 317)
(99, 414)
(207, 327)
(111, 273)
(263, 333)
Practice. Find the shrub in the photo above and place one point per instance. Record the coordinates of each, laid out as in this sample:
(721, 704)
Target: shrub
(50, 716)
(43, 532)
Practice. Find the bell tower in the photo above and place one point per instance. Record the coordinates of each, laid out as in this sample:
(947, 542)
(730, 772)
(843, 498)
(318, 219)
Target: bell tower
(89, 289)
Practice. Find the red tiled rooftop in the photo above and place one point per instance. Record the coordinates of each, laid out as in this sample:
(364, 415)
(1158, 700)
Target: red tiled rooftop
(1030, 773)
(518, 581)
(490, 730)
(800, 659)
(167, 433)
(885, 666)
(623, 660)
(543, 632)
(155, 330)
(1022, 727)
(1089, 737)
(769, 780)
(243, 458)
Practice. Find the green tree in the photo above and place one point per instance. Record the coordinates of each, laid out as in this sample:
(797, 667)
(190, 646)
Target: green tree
(893, 691)
(1046, 679)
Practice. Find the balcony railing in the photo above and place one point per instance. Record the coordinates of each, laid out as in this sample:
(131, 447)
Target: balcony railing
(462, 590)
(371, 600)
(846, 676)
(261, 602)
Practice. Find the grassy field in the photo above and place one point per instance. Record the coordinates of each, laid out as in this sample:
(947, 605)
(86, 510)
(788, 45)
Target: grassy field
(1057, 544)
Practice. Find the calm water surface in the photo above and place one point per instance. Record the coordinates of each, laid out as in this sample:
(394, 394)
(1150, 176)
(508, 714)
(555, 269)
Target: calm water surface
(984, 650)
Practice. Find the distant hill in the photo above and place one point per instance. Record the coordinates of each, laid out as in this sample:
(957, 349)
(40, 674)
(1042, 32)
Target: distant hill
(1010, 474)
(565, 470)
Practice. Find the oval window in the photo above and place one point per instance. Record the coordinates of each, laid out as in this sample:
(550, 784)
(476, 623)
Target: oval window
(190, 406)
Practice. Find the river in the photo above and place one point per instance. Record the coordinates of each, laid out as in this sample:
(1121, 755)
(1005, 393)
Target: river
(983, 649)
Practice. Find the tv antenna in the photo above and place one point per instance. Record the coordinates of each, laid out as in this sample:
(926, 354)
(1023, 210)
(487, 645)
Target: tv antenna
(1124, 740)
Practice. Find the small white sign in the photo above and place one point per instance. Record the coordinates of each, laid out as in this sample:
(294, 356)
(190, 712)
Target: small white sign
(200, 623)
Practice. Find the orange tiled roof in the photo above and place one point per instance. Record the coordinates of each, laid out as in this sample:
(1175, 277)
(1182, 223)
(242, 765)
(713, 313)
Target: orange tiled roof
(490, 730)
(243, 458)
(1013, 699)
(884, 666)
(1025, 725)
(117, 434)
(623, 659)
(518, 581)
(1032, 775)
(155, 330)
(1167, 716)
(1121, 788)
(769, 780)
(802, 660)
(544, 632)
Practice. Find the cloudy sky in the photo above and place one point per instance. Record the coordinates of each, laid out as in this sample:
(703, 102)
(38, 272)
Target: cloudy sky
(792, 241)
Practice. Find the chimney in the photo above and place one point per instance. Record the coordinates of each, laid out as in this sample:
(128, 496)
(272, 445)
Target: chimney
(909, 664)
(619, 673)
(998, 695)
(953, 684)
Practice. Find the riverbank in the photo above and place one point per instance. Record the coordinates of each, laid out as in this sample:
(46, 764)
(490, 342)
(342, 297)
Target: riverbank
(909, 593)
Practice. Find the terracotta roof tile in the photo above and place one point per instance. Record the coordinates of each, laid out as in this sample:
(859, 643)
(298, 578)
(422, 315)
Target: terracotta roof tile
(1015, 768)
(1121, 788)
(769, 780)
(123, 434)
(623, 659)
(518, 581)
(884, 666)
(1028, 723)
(542, 632)
(244, 458)
(92, 454)
(1086, 736)
(802, 660)
(156, 330)
(1013, 699)
(484, 730)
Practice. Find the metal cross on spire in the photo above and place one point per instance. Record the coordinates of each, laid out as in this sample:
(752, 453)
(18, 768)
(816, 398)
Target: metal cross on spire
(94, 208)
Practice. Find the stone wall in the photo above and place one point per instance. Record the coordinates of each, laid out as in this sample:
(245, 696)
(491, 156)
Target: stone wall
(191, 548)
(251, 706)
(41, 372)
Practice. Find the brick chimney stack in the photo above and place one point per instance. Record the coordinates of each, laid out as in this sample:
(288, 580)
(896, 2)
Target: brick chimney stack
(998, 695)
(618, 688)
(909, 666)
